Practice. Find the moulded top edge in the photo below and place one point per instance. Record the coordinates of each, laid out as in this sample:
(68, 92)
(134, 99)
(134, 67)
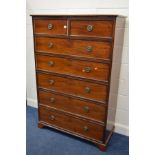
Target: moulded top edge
(76, 15)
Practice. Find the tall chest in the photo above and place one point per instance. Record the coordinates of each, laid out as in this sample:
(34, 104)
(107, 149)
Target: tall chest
(76, 75)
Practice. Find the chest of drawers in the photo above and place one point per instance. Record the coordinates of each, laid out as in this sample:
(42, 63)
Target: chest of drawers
(74, 57)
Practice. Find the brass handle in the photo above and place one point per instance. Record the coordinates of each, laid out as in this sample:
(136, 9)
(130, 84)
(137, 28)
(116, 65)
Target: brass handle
(50, 26)
(51, 82)
(52, 117)
(87, 69)
(85, 128)
(87, 90)
(50, 45)
(50, 63)
(52, 100)
(89, 48)
(89, 28)
(86, 109)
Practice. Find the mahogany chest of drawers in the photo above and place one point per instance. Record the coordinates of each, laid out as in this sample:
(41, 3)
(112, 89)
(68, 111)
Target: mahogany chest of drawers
(73, 57)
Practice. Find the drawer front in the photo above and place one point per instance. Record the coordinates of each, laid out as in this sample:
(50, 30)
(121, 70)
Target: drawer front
(83, 108)
(92, 28)
(69, 123)
(74, 87)
(90, 49)
(50, 26)
(91, 70)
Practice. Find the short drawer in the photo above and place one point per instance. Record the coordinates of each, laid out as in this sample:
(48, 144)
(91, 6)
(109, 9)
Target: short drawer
(81, 48)
(92, 28)
(50, 26)
(87, 109)
(74, 87)
(91, 70)
(69, 123)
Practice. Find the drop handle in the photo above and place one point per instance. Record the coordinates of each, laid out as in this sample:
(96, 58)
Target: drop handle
(52, 117)
(87, 90)
(50, 63)
(85, 128)
(89, 48)
(51, 82)
(86, 109)
(50, 26)
(50, 45)
(87, 69)
(90, 28)
(52, 100)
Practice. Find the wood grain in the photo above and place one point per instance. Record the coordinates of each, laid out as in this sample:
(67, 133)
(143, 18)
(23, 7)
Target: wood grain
(82, 108)
(98, 71)
(41, 26)
(98, 49)
(74, 87)
(62, 120)
(100, 28)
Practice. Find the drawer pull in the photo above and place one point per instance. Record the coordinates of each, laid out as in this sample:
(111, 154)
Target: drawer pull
(89, 28)
(87, 69)
(52, 100)
(50, 26)
(87, 90)
(50, 63)
(51, 82)
(85, 128)
(52, 117)
(50, 45)
(89, 49)
(86, 109)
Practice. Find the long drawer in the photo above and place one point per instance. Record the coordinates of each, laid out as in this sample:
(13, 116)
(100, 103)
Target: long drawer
(74, 87)
(73, 124)
(80, 48)
(90, 70)
(83, 108)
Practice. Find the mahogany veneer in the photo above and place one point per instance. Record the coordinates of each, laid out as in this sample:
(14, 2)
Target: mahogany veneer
(73, 56)
(90, 70)
(79, 48)
(74, 87)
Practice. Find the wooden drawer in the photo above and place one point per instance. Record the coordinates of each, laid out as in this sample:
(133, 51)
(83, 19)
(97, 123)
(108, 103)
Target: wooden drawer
(91, 70)
(73, 124)
(50, 26)
(74, 106)
(74, 87)
(92, 28)
(81, 48)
